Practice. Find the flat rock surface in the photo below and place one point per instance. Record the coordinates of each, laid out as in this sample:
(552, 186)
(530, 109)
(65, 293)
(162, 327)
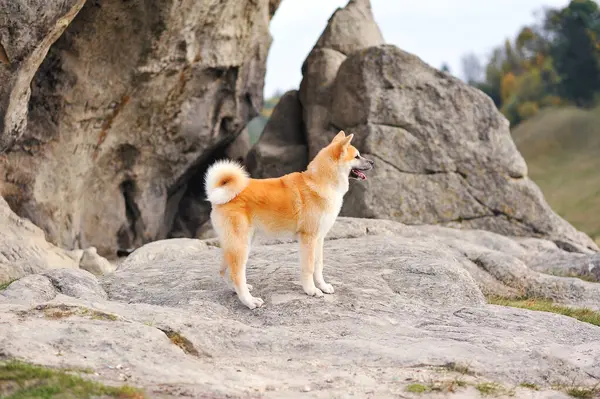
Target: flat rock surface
(408, 308)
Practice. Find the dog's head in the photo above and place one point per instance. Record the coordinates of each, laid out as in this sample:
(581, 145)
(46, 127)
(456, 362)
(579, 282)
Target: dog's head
(348, 158)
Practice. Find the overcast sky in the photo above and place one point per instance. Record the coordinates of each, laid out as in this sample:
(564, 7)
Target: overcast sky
(436, 30)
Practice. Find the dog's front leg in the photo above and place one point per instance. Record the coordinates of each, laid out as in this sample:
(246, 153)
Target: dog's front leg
(308, 244)
(318, 277)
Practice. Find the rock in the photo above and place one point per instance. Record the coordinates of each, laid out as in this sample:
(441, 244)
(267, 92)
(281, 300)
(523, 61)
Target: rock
(349, 29)
(238, 150)
(38, 288)
(24, 250)
(120, 122)
(27, 30)
(408, 308)
(282, 147)
(444, 152)
(94, 263)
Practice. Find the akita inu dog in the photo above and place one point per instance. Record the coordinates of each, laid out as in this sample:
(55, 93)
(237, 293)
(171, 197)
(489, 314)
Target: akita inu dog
(303, 204)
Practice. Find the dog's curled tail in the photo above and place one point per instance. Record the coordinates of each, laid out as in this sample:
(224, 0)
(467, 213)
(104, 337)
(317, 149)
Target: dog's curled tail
(224, 180)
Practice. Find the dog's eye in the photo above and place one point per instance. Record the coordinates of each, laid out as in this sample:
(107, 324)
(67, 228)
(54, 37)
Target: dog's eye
(357, 156)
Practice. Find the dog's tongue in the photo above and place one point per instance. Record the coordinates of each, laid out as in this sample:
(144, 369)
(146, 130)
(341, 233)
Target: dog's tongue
(360, 174)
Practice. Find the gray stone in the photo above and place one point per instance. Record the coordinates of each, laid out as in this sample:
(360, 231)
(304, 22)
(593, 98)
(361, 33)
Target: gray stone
(39, 288)
(24, 249)
(120, 119)
(349, 29)
(443, 151)
(282, 147)
(408, 308)
(27, 30)
(238, 150)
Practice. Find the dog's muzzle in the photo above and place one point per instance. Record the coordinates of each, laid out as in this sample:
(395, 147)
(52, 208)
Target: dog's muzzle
(364, 165)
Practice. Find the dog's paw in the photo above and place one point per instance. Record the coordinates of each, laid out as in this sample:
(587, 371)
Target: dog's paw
(326, 288)
(313, 291)
(253, 302)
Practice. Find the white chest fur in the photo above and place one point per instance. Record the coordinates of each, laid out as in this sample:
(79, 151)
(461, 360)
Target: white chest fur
(328, 218)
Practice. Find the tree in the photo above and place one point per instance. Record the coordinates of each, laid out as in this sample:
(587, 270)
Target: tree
(445, 68)
(574, 32)
(554, 62)
(472, 68)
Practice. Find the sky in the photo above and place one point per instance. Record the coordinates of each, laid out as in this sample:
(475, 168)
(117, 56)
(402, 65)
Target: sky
(438, 31)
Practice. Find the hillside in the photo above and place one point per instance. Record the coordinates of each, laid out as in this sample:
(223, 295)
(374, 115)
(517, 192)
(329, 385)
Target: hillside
(561, 147)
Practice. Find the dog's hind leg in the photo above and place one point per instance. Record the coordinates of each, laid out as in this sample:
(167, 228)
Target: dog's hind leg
(235, 255)
(308, 244)
(318, 276)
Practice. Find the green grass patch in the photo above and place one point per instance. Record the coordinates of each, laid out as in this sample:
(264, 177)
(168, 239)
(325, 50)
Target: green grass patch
(529, 385)
(583, 393)
(489, 388)
(543, 305)
(444, 386)
(417, 388)
(56, 312)
(5, 285)
(19, 380)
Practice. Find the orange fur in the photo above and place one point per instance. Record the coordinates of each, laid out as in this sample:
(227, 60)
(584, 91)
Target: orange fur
(302, 204)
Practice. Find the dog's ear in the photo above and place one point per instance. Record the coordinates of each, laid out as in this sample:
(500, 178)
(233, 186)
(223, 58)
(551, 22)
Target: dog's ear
(339, 136)
(345, 142)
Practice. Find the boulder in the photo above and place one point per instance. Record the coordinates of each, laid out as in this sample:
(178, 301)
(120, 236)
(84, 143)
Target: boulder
(281, 149)
(409, 308)
(443, 152)
(24, 250)
(27, 31)
(126, 109)
(349, 29)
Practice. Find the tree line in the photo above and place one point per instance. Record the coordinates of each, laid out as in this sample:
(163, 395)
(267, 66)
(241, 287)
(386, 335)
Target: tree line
(553, 62)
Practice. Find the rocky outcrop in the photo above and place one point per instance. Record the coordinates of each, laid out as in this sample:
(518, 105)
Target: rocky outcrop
(443, 152)
(349, 29)
(409, 307)
(27, 30)
(24, 250)
(126, 109)
(282, 147)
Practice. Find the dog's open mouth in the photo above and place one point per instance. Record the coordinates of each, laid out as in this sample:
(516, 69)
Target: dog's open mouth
(357, 174)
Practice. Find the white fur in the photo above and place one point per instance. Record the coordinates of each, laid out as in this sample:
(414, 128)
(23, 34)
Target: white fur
(222, 195)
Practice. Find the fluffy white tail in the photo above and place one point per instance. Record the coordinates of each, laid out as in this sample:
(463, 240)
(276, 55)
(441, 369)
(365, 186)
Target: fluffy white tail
(224, 180)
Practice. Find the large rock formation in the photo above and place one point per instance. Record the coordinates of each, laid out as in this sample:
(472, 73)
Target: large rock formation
(443, 153)
(125, 110)
(349, 29)
(24, 250)
(282, 147)
(408, 308)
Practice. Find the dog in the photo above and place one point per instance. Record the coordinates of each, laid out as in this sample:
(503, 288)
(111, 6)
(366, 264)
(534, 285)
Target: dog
(301, 204)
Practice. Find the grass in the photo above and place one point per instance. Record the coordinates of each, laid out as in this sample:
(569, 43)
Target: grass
(583, 393)
(5, 285)
(436, 386)
(56, 312)
(561, 148)
(489, 388)
(417, 388)
(543, 305)
(529, 385)
(181, 341)
(19, 380)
